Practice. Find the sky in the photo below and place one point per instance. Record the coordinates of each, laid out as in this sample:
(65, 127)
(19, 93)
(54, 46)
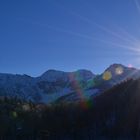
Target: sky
(67, 35)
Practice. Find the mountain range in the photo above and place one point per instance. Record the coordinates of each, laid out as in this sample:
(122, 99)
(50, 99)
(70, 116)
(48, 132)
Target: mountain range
(58, 86)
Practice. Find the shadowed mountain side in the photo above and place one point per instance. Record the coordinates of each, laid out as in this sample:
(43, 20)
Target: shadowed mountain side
(114, 114)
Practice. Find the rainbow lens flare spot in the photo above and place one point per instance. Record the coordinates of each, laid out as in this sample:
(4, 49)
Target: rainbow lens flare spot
(107, 75)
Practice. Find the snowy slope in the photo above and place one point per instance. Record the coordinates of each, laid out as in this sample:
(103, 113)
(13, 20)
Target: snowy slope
(45, 88)
(54, 85)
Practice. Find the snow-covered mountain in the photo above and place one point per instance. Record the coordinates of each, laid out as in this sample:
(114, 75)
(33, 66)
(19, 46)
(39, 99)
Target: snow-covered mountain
(45, 88)
(68, 86)
(113, 75)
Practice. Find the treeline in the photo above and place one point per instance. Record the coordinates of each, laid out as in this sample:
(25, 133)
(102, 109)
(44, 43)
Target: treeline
(114, 114)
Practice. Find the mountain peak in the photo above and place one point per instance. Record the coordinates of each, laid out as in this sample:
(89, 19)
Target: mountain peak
(52, 71)
(86, 74)
(53, 75)
(83, 70)
(115, 65)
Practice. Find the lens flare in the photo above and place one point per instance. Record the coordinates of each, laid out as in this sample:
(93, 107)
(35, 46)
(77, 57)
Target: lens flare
(130, 65)
(77, 86)
(107, 75)
(119, 70)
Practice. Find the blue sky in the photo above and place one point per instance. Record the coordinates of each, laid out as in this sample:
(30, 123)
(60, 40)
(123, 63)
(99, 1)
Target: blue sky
(37, 35)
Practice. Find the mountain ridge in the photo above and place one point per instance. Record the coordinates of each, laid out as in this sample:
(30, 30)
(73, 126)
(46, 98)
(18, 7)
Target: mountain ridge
(54, 84)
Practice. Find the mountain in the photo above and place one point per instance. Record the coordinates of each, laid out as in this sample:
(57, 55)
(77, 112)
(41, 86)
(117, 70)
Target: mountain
(55, 85)
(45, 88)
(112, 115)
(54, 75)
(114, 74)
(117, 111)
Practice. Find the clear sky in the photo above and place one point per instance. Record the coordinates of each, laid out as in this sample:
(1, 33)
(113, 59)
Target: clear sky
(37, 35)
